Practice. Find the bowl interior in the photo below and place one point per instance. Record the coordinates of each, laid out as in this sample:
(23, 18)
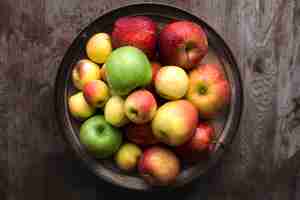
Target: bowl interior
(225, 124)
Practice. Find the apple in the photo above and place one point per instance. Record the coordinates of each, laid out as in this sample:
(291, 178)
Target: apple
(140, 134)
(208, 90)
(171, 82)
(128, 156)
(155, 68)
(100, 138)
(159, 166)
(96, 93)
(199, 146)
(137, 31)
(99, 47)
(182, 43)
(114, 111)
(83, 72)
(78, 106)
(127, 68)
(140, 106)
(175, 122)
(103, 73)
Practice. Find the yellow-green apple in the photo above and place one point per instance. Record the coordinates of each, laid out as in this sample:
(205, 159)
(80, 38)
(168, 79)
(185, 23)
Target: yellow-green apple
(83, 72)
(128, 156)
(140, 106)
(199, 146)
(171, 82)
(208, 90)
(175, 122)
(127, 68)
(182, 43)
(140, 134)
(100, 138)
(96, 93)
(78, 106)
(114, 111)
(159, 166)
(99, 47)
(137, 31)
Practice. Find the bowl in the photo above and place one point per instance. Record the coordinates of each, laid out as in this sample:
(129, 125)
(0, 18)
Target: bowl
(226, 124)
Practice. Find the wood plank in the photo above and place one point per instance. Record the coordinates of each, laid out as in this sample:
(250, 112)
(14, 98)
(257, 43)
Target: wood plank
(263, 161)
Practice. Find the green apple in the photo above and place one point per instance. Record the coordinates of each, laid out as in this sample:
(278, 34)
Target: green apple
(78, 106)
(127, 68)
(114, 111)
(128, 156)
(100, 138)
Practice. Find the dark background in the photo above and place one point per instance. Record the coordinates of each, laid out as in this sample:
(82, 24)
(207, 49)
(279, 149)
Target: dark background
(264, 160)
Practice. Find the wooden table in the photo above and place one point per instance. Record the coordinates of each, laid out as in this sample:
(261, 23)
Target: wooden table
(264, 160)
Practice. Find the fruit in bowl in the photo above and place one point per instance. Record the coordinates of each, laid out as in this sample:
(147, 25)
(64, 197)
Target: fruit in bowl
(208, 90)
(128, 156)
(140, 106)
(78, 106)
(159, 166)
(175, 122)
(85, 71)
(199, 146)
(96, 93)
(100, 138)
(155, 108)
(140, 134)
(171, 82)
(182, 43)
(137, 31)
(127, 68)
(114, 111)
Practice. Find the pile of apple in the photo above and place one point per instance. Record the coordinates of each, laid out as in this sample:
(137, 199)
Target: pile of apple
(152, 97)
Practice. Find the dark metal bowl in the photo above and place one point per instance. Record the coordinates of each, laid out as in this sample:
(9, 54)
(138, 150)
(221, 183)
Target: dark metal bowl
(226, 125)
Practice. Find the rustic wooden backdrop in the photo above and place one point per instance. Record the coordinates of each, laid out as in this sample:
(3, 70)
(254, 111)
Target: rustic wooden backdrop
(264, 160)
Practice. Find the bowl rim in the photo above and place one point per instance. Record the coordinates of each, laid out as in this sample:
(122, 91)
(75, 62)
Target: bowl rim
(65, 124)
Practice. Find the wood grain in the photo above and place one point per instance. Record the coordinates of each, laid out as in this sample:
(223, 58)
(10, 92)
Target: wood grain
(264, 161)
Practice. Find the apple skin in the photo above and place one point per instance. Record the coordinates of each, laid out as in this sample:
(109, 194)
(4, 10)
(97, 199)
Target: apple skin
(137, 31)
(175, 122)
(199, 146)
(140, 134)
(159, 166)
(182, 43)
(78, 106)
(114, 111)
(103, 73)
(128, 156)
(99, 47)
(127, 68)
(208, 90)
(83, 72)
(155, 68)
(100, 138)
(96, 93)
(140, 106)
(171, 82)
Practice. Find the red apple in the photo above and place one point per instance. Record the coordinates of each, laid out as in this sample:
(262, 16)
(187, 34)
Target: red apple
(159, 166)
(137, 31)
(199, 146)
(208, 89)
(140, 106)
(140, 134)
(96, 93)
(182, 43)
(155, 68)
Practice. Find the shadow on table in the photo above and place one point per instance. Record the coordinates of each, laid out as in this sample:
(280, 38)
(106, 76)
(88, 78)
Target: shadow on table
(61, 176)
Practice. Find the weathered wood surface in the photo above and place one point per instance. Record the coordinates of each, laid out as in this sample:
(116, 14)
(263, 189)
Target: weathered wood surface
(264, 160)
